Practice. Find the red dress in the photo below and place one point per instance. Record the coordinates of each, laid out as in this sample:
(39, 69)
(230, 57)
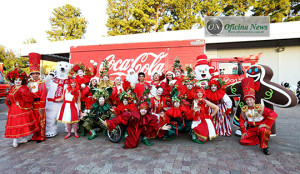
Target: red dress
(20, 119)
(202, 122)
(69, 111)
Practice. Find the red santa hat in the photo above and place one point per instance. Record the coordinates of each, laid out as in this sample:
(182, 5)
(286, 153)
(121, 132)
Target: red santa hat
(248, 88)
(170, 72)
(202, 60)
(118, 77)
(34, 62)
(95, 78)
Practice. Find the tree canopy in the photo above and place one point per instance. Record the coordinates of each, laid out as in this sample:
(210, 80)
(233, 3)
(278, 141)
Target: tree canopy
(11, 61)
(144, 16)
(67, 23)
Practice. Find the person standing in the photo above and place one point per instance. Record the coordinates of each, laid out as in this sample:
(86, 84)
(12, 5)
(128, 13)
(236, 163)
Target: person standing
(21, 123)
(38, 89)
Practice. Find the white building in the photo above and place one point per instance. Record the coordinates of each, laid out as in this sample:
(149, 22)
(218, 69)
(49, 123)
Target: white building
(281, 51)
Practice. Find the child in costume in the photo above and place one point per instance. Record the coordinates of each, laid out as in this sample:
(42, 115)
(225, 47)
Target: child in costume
(69, 112)
(100, 110)
(21, 122)
(259, 119)
(216, 94)
(202, 126)
(140, 123)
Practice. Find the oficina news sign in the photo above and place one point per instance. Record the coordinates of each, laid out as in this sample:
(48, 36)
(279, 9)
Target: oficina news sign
(146, 57)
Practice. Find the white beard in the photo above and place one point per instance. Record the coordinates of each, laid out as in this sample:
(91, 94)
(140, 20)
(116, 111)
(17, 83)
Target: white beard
(132, 79)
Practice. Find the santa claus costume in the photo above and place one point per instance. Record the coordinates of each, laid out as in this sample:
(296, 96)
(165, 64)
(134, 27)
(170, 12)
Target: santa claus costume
(38, 89)
(203, 128)
(118, 88)
(131, 79)
(216, 94)
(259, 119)
(70, 110)
(21, 121)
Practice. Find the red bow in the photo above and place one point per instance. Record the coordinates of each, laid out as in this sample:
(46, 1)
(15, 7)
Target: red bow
(257, 86)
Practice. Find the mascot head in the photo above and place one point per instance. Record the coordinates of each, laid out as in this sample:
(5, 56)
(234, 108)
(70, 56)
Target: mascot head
(62, 70)
(202, 68)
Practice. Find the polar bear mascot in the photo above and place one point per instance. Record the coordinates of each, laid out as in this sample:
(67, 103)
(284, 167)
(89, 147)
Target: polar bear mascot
(55, 84)
(202, 71)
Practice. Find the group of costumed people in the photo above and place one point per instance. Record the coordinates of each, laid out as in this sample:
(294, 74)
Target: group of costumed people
(172, 103)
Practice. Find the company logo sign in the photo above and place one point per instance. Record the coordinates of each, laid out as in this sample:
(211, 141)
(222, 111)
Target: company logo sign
(144, 62)
(237, 26)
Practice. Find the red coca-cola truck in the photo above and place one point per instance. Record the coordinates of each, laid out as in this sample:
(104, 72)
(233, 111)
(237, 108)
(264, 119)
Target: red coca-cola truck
(145, 56)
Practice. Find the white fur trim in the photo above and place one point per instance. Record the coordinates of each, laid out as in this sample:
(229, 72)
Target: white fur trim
(92, 61)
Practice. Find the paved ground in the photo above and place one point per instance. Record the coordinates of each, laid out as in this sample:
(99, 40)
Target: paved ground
(222, 155)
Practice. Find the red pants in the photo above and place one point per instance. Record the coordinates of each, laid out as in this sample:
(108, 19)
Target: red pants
(255, 136)
(41, 120)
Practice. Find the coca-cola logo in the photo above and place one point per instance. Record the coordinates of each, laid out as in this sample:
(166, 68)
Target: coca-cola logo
(229, 80)
(145, 62)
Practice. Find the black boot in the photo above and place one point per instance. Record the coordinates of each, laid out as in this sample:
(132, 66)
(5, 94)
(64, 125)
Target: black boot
(267, 151)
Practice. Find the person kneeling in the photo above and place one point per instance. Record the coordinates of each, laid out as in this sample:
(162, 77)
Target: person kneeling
(140, 123)
(259, 119)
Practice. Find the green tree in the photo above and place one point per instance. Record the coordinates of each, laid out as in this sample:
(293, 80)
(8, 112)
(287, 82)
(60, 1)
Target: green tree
(30, 41)
(294, 12)
(11, 61)
(211, 7)
(237, 7)
(67, 23)
(184, 15)
(277, 10)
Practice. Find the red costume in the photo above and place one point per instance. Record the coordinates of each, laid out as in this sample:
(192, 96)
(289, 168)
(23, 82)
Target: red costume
(21, 121)
(139, 89)
(122, 108)
(114, 98)
(157, 105)
(138, 125)
(255, 116)
(39, 91)
(202, 123)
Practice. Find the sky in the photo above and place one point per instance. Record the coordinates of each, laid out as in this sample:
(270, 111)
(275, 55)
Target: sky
(24, 19)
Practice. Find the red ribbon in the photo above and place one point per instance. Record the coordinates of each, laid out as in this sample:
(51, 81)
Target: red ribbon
(257, 86)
